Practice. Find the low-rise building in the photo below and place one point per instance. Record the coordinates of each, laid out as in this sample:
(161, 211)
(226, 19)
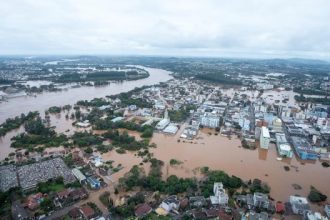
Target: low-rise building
(170, 204)
(327, 210)
(261, 200)
(314, 216)
(162, 124)
(117, 119)
(79, 175)
(171, 129)
(283, 147)
(93, 183)
(299, 205)
(303, 149)
(142, 210)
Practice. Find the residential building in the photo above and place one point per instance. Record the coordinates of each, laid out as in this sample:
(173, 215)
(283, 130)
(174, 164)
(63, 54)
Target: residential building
(87, 212)
(170, 204)
(197, 201)
(142, 210)
(299, 205)
(327, 210)
(264, 138)
(244, 122)
(210, 120)
(261, 200)
(257, 216)
(314, 216)
(277, 125)
(220, 196)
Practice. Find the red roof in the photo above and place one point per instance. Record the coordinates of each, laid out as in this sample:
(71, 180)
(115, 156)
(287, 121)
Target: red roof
(74, 213)
(142, 210)
(87, 211)
(280, 207)
(63, 193)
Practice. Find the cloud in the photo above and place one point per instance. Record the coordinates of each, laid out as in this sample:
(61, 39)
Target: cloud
(171, 27)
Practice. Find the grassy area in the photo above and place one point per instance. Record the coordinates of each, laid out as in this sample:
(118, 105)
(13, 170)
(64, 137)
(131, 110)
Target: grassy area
(56, 187)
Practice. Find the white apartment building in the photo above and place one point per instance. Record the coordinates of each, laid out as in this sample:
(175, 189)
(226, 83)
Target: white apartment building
(264, 138)
(210, 120)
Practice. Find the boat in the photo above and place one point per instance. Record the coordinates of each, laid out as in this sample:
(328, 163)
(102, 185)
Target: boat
(279, 158)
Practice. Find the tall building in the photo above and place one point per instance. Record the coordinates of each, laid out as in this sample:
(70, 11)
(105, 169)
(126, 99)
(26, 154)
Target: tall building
(220, 196)
(264, 138)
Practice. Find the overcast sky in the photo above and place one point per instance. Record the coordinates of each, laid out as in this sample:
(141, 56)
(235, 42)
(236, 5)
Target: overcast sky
(244, 28)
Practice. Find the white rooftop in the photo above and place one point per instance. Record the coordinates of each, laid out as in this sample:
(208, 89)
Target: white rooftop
(285, 147)
(265, 132)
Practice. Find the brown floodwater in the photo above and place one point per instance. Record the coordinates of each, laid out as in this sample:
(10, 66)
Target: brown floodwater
(220, 153)
(41, 102)
(15, 106)
(214, 151)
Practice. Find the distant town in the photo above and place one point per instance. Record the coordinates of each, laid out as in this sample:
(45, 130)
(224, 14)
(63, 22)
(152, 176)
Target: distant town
(164, 138)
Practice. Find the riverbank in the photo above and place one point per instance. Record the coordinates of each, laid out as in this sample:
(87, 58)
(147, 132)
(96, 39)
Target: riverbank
(43, 101)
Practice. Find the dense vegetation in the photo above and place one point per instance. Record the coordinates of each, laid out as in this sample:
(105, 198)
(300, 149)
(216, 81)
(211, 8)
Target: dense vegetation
(125, 141)
(316, 196)
(218, 78)
(38, 134)
(96, 102)
(231, 182)
(84, 139)
(309, 91)
(181, 114)
(154, 182)
(14, 123)
(126, 98)
(54, 109)
(301, 98)
(105, 124)
(6, 198)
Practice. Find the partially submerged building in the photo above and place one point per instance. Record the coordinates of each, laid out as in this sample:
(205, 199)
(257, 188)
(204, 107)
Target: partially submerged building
(304, 149)
(264, 138)
(283, 147)
(299, 205)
